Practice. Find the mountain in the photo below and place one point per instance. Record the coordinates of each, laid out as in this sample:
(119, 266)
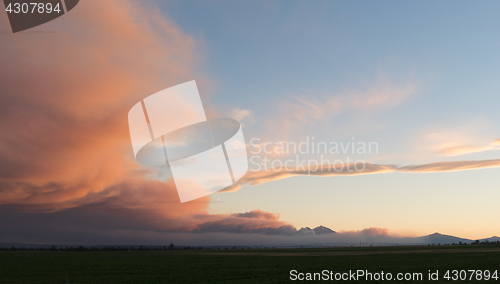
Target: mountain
(438, 238)
(492, 239)
(317, 237)
(305, 231)
(320, 230)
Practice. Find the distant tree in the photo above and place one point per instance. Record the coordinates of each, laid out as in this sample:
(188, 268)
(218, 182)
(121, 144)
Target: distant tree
(171, 247)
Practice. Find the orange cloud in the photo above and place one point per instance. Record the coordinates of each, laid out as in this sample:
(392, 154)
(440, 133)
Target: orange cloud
(464, 138)
(66, 95)
(372, 231)
(468, 149)
(65, 153)
(259, 214)
(255, 221)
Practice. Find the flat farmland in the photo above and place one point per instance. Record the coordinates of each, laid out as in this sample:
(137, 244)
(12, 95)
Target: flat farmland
(244, 265)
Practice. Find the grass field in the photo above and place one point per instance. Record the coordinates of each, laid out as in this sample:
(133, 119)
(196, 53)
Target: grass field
(240, 266)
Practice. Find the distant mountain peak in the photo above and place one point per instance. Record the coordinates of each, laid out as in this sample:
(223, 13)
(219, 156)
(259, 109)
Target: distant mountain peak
(305, 231)
(438, 238)
(320, 230)
(492, 239)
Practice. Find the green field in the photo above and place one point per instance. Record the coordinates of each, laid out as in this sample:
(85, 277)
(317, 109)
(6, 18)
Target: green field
(240, 265)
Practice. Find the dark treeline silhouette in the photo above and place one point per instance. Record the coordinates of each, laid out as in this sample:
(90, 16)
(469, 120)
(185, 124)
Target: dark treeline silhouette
(172, 247)
(477, 242)
(100, 248)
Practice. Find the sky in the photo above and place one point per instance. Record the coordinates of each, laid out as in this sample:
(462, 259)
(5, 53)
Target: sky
(419, 79)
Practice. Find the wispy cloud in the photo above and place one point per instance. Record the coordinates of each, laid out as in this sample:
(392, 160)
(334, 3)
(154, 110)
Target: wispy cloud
(451, 166)
(242, 115)
(461, 138)
(263, 176)
(468, 149)
(305, 109)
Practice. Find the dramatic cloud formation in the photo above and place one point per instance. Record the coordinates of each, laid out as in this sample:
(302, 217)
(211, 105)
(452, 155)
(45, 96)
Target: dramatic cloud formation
(66, 94)
(65, 154)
